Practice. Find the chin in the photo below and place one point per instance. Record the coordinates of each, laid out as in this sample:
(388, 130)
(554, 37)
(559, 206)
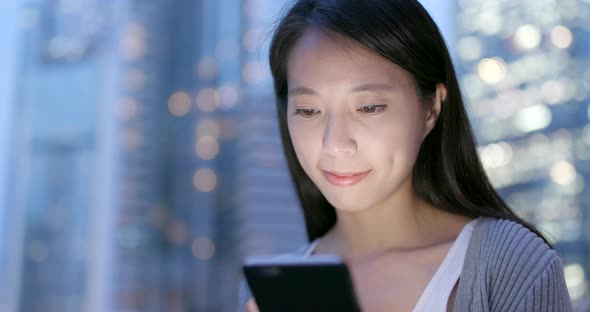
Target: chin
(345, 204)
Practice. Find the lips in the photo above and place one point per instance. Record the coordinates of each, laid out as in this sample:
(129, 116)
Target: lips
(344, 179)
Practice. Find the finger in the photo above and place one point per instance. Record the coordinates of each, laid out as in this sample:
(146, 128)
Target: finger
(251, 306)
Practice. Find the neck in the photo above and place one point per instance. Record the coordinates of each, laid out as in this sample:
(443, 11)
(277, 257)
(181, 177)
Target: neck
(401, 223)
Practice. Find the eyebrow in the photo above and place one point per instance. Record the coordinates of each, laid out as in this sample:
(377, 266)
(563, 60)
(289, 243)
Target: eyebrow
(370, 87)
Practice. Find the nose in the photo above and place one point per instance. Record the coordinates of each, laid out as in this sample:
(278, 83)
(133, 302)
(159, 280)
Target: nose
(338, 139)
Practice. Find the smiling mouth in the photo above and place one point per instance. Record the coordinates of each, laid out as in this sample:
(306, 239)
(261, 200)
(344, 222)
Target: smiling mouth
(344, 179)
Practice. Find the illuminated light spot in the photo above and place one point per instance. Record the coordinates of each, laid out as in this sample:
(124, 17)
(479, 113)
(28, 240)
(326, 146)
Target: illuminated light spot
(128, 108)
(203, 248)
(253, 72)
(133, 41)
(207, 68)
(527, 37)
(575, 280)
(532, 118)
(132, 139)
(208, 99)
(228, 96)
(208, 127)
(574, 275)
(179, 103)
(207, 147)
(470, 48)
(561, 37)
(563, 173)
(205, 180)
(134, 80)
(491, 70)
(496, 155)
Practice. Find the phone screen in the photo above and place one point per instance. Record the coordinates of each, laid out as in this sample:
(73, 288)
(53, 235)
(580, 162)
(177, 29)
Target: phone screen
(296, 283)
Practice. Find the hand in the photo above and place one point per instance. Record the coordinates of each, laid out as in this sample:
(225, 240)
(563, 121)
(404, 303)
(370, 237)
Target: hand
(251, 306)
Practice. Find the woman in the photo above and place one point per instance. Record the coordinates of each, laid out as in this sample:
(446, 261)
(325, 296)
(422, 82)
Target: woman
(383, 158)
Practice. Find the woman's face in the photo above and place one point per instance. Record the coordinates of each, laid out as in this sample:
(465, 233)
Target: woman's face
(351, 111)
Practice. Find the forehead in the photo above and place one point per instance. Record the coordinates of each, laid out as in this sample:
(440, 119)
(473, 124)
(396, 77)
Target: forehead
(320, 57)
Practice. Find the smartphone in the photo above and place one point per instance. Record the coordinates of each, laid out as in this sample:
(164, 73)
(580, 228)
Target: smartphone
(301, 284)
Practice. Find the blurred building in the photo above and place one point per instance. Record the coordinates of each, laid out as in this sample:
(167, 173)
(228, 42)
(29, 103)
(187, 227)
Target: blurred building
(54, 188)
(525, 70)
(145, 162)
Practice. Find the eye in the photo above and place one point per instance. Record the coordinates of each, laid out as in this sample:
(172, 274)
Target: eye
(372, 109)
(306, 112)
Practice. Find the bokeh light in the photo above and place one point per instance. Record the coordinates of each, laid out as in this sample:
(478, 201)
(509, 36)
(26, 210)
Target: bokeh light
(205, 180)
(179, 103)
(203, 248)
(532, 118)
(207, 147)
(561, 37)
(208, 127)
(527, 37)
(133, 41)
(128, 108)
(563, 173)
(254, 72)
(208, 99)
(491, 70)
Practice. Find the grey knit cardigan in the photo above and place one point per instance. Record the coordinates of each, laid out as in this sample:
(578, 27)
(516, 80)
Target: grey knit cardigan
(507, 268)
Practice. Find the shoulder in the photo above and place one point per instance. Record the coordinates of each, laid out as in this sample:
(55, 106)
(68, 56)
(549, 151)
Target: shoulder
(507, 246)
(510, 263)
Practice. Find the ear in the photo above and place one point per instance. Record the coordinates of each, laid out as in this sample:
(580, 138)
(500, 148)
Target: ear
(433, 111)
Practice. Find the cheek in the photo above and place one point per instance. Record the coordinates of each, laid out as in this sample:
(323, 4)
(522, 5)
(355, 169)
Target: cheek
(395, 145)
(304, 143)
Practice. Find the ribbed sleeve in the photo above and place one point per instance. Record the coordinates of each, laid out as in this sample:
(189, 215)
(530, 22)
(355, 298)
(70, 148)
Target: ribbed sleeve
(509, 268)
(549, 292)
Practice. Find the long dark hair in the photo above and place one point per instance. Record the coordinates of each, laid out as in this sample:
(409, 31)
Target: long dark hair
(448, 173)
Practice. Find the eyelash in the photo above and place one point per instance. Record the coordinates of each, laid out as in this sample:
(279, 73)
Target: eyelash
(377, 109)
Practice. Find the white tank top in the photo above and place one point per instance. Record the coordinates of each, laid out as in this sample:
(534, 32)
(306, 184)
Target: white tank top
(436, 294)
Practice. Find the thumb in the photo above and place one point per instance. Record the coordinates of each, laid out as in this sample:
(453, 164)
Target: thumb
(251, 306)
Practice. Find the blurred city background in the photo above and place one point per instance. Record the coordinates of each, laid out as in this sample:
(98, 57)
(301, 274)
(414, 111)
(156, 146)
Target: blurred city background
(140, 160)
